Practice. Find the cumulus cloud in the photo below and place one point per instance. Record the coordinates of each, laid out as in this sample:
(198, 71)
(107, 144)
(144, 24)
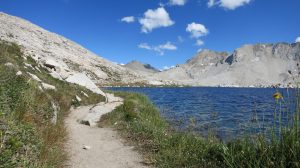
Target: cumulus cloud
(156, 18)
(197, 30)
(167, 46)
(297, 40)
(160, 49)
(199, 42)
(177, 2)
(228, 4)
(128, 19)
(232, 4)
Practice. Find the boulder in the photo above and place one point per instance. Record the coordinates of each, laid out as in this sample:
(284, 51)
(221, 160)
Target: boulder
(19, 73)
(82, 80)
(78, 98)
(48, 87)
(34, 77)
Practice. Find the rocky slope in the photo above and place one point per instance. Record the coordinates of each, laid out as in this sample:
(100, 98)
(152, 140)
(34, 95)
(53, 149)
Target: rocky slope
(260, 65)
(64, 58)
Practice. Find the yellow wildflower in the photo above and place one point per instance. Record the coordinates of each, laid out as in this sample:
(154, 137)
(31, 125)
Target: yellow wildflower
(277, 96)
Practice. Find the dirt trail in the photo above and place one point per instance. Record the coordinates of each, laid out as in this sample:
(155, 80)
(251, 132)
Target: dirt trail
(104, 149)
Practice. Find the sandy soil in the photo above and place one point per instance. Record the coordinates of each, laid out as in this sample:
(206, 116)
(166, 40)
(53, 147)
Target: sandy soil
(104, 149)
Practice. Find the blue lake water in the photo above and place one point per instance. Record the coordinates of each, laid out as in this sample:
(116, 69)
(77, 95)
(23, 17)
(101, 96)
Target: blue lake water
(226, 112)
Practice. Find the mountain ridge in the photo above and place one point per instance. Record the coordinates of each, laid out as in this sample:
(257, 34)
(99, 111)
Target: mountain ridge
(258, 65)
(252, 65)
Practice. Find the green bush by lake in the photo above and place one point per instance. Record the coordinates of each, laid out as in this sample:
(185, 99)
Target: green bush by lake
(139, 121)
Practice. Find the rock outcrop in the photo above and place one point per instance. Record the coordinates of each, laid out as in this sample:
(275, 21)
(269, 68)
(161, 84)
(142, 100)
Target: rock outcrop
(83, 80)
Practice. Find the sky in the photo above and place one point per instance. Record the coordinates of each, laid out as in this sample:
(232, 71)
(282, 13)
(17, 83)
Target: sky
(162, 33)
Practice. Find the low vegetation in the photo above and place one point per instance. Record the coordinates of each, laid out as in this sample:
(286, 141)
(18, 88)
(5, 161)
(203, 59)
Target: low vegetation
(140, 123)
(30, 133)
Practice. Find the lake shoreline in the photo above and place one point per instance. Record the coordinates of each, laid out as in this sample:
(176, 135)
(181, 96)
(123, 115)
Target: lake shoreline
(139, 122)
(187, 86)
(230, 111)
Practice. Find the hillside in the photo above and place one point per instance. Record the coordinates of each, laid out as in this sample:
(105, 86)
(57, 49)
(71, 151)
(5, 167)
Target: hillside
(63, 57)
(33, 106)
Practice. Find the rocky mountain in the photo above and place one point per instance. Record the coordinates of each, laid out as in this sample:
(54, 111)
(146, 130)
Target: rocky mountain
(65, 59)
(259, 65)
(140, 67)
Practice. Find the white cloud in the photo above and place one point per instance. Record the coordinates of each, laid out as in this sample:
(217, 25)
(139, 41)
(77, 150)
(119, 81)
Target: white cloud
(160, 49)
(199, 42)
(228, 4)
(177, 2)
(199, 50)
(154, 19)
(128, 19)
(197, 30)
(167, 46)
(297, 40)
(232, 4)
(145, 46)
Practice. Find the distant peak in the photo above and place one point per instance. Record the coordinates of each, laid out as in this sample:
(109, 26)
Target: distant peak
(134, 63)
(208, 51)
(207, 56)
(139, 66)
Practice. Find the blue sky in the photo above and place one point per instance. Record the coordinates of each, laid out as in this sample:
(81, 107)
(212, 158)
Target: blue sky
(164, 32)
